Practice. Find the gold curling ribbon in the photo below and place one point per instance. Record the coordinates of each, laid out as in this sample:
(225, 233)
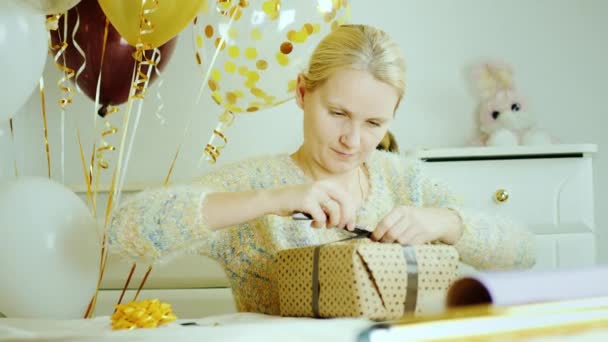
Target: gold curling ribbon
(68, 73)
(79, 49)
(97, 159)
(141, 79)
(139, 89)
(124, 288)
(159, 86)
(212, 150)
(104, 112)
(143, 281)
(66, 90)
(105, 146)
(87, 179)
(52, 23)
(45, 128)
(104, 254)
(149, 313)
(10, 123)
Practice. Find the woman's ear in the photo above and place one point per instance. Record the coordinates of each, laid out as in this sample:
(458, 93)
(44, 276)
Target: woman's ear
(300, 90)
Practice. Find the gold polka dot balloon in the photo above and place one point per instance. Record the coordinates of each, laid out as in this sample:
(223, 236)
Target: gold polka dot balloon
(252, 50)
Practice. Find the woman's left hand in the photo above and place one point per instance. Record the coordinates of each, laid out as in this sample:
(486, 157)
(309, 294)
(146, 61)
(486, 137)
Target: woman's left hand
(415, 226)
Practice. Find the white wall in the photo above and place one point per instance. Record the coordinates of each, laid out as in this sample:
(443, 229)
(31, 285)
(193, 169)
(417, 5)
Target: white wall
(558, 49)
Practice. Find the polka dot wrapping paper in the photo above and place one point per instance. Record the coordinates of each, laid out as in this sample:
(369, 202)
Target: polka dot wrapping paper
(364, 279)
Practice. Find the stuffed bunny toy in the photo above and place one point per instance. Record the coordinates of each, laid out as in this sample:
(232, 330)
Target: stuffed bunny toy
(503, 113)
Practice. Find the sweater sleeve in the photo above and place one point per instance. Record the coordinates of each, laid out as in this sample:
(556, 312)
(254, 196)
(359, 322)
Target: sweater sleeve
(155, 225)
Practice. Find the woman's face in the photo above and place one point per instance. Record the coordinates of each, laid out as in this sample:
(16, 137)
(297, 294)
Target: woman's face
(345, 118)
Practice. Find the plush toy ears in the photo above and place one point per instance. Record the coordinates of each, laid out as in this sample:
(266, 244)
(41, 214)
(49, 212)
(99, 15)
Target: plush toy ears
(489, 78)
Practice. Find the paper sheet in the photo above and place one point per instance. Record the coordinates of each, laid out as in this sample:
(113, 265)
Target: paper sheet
(522, 287)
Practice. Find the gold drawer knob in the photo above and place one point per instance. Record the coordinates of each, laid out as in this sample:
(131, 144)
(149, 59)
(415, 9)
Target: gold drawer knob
(501, 195)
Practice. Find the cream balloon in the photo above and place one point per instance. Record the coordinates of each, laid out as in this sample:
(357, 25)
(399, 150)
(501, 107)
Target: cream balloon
(23, 42)
(51, 6)
(49, 250)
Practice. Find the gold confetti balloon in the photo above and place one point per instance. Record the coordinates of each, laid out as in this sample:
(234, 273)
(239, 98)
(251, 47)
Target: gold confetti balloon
(252, 50)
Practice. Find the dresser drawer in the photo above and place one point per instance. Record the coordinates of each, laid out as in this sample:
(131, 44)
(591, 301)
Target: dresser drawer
(550, 195)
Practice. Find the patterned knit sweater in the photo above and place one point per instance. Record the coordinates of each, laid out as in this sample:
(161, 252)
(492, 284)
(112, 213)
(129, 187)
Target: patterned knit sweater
(156, 225)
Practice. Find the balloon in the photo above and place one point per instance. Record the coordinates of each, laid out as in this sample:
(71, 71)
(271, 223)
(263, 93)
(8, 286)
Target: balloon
(265, 46)
(166, 18)
(23, 53)
(49, 250)
(118, 62)
(50, 6)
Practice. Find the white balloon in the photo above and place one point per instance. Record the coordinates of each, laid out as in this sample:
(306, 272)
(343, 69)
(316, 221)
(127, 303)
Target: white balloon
(23, 51)
(51, 6)
(49, 250)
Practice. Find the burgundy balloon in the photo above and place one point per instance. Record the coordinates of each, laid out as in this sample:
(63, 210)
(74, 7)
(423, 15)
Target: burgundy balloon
(118, 62)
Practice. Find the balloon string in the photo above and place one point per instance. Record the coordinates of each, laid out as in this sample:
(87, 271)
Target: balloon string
(138, 92)
(211, 151)
(94, 170)
(79, 49)
(142, 87)
(10, 123)
(45, 127)
(96, 161)
(105, 111)
(104, 252)
(87, 173)
(90, 181)
(141, 285)
(52, 24)
(159, 85)
(191, 117)
(126, 285)
(83, 161)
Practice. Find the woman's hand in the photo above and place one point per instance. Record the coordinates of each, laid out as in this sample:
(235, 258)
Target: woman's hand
(415, 226)
(327, 203)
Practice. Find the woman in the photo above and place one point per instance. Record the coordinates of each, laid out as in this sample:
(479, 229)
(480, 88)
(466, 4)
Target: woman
(240, 214)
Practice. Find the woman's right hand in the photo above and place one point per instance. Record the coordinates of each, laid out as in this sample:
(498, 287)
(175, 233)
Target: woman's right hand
(327, 203)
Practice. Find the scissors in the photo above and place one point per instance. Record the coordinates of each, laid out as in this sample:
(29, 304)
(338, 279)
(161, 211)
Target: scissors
(359, 231)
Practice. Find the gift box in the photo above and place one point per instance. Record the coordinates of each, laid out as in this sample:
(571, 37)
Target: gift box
(368, 279)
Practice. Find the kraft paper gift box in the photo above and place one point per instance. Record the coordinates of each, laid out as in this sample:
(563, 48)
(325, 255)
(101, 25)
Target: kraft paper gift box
(368, 279)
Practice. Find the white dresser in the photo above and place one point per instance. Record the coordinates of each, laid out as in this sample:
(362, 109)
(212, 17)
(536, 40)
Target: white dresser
(549, 188)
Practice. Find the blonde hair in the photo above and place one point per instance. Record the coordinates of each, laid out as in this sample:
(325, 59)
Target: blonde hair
(388, 143)
(358, 47)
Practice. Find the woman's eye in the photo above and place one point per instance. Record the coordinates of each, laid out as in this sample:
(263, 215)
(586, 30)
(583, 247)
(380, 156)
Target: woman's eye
(337, 113)
(374, 123)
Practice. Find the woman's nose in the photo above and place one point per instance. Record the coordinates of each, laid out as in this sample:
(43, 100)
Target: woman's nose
(351, 137)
